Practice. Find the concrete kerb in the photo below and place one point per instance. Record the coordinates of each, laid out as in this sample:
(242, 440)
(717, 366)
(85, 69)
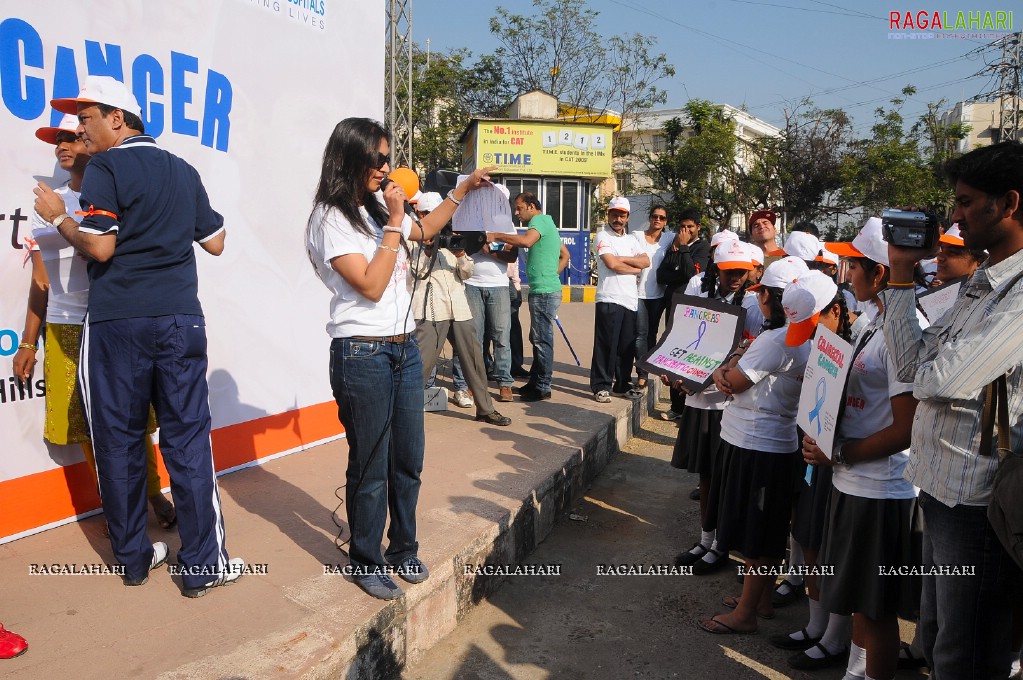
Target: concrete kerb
(430, 611)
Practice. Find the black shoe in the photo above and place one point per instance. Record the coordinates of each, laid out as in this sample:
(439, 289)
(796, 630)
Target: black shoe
(908, 661)
(694, 495)
(689, 558)
(702, 568)
(795, 593)
(534, 395)
(494, 418)
(785, 641)
(524, 389)
(801, 661)
(519, 372)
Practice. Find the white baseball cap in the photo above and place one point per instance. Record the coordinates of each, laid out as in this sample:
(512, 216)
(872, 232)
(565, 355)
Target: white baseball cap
(952, 237)
(869, 243)
(619, 203)
(429, 201)
(803, 245)
(803, 301)
(733, 255)
(782, 272)
(721, 236)
(100, 90)
(69, 123)
(826, 256)
(756, 254)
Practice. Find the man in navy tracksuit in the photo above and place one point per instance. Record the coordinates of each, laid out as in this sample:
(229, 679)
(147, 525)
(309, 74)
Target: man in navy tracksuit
(144, 339)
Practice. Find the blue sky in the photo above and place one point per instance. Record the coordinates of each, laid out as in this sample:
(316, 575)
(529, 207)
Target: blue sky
(768, 55)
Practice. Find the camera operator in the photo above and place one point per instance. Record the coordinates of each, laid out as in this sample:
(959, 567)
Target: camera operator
(965, 622)
(442, 311)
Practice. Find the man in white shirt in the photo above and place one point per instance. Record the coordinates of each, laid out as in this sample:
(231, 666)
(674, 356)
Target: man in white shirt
(620, 258)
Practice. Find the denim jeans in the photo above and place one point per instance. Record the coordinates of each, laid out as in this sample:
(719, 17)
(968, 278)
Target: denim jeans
(965, 621)
(378, 387)
(543, 307)
(648, 318)
(491, 312)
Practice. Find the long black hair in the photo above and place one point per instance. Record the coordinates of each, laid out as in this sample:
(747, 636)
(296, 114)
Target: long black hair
(844, 323)
(351, 154)
(777, 317)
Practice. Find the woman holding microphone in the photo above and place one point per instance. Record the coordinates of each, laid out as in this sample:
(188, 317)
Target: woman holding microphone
(356, 238)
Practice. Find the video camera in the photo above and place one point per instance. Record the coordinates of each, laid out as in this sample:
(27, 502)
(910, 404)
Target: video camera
(909, 228)
(469, 241)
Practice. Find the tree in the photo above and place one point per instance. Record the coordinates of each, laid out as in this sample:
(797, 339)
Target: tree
(558, 50)
(699, 154)
(886, 170)
(941, 143)
(809, 159)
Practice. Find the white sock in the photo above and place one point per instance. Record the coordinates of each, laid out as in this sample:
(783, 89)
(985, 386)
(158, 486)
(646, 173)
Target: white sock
(1015, 666)
(711, 556)
(707, 538)
(796, 559)
(867, 677)
(836, 636)
(856, 669)
(818, 618)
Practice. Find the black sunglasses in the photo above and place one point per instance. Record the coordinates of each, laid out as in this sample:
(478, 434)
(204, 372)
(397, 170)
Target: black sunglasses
(381, 160)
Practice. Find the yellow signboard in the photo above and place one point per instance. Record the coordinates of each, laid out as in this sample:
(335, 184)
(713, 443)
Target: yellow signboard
(520, 147)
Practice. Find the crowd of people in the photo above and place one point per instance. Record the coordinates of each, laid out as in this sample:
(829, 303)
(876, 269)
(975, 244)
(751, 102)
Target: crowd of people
(904, 491)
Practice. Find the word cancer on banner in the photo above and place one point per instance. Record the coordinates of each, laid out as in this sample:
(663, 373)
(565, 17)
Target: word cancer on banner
(823, 386)
(700, 335)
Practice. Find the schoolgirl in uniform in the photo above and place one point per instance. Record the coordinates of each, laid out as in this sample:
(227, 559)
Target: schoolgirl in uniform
(759, 456)
(700, 422)
(872, 510)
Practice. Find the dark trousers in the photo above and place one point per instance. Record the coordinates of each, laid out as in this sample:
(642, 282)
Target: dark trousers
(125, 365)
(516, 327)
(614, 347)
(648, 318)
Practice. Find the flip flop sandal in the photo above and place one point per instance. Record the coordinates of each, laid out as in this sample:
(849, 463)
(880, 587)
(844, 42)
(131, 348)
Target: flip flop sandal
(732, 602)
(712, 625)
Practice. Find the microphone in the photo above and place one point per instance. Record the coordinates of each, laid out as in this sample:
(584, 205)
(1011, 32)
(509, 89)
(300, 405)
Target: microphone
(408, 180)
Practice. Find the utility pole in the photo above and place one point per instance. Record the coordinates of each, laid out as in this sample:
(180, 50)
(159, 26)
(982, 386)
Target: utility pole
(1009, 122)
(398, 81)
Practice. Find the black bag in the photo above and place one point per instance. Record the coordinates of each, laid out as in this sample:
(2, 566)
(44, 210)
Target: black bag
(1005, 510)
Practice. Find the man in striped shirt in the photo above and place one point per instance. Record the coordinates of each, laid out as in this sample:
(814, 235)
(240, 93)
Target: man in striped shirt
(965, 621)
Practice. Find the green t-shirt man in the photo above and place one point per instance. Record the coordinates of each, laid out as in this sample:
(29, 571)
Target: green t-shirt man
(542, 260)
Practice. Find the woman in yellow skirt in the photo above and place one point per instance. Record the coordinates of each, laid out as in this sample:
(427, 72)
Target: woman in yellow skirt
(59, 295)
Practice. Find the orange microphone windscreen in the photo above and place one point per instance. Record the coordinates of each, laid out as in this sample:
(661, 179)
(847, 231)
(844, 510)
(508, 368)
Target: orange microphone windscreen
(407, 179)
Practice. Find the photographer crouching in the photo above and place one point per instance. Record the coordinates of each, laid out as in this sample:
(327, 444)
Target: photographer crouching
(965, 621)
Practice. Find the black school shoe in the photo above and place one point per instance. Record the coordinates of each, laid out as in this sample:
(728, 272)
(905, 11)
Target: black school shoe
(494, 418)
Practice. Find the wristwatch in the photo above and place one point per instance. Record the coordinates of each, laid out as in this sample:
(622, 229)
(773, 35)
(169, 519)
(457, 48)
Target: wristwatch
(836, 456)
(59, 219)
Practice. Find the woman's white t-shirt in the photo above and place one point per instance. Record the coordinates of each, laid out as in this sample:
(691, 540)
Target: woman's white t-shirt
(331, 235)
(649, 289)
(68, 297)
(763, 418)
(868, 409)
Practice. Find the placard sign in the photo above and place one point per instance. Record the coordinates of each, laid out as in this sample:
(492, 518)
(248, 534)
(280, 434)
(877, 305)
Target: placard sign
(936, 301)
(701, 334)
(823, 385)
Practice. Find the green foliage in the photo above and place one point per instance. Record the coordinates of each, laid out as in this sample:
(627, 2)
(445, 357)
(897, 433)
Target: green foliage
(809, 159)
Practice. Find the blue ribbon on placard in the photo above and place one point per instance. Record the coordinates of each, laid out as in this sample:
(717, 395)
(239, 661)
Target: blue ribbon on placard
(821, 392)
(695, 344)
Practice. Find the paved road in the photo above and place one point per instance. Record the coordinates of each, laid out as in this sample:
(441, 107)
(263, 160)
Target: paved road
(584, 625)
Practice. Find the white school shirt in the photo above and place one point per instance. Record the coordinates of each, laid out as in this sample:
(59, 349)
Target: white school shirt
(68, 297)
(872, 383)
(619, 289)
(488, 271)
(332, 235)
(763, 418)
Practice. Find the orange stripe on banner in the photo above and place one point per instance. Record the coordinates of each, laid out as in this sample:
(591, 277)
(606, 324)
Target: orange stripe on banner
(55, 495)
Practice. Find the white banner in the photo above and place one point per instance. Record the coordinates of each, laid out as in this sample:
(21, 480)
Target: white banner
(823, 386)
(248, 92)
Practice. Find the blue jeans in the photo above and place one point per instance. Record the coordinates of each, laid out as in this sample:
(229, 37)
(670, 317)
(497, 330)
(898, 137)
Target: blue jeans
(378, 387)
(965, 621)
(543, 307)
(491, 312)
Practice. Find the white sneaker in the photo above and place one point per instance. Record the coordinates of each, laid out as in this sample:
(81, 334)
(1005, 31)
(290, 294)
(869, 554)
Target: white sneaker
(159, 557)
(603, 396)
(463, 399)
(235, 567)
